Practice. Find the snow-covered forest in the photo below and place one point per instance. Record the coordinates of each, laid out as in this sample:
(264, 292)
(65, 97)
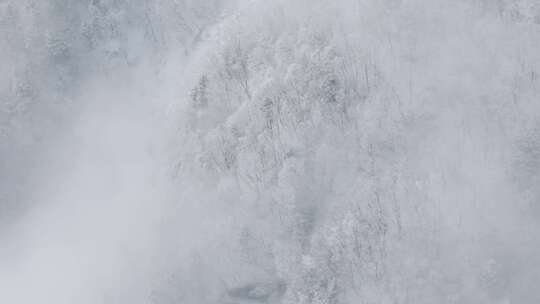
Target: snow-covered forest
(269, 152)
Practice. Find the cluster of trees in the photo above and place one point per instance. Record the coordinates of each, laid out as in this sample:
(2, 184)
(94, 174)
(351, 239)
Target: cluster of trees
(335, 151)
(365, 150)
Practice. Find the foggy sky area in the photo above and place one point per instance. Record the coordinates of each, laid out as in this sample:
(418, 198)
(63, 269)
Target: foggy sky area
(269, 152)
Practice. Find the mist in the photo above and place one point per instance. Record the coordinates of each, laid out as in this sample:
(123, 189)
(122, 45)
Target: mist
(232, 152)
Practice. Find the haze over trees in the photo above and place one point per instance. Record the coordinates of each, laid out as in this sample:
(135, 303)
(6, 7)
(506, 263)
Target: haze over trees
(231, 151)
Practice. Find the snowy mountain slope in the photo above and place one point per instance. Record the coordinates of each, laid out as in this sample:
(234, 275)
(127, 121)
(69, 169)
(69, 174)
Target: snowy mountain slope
(270, 151)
